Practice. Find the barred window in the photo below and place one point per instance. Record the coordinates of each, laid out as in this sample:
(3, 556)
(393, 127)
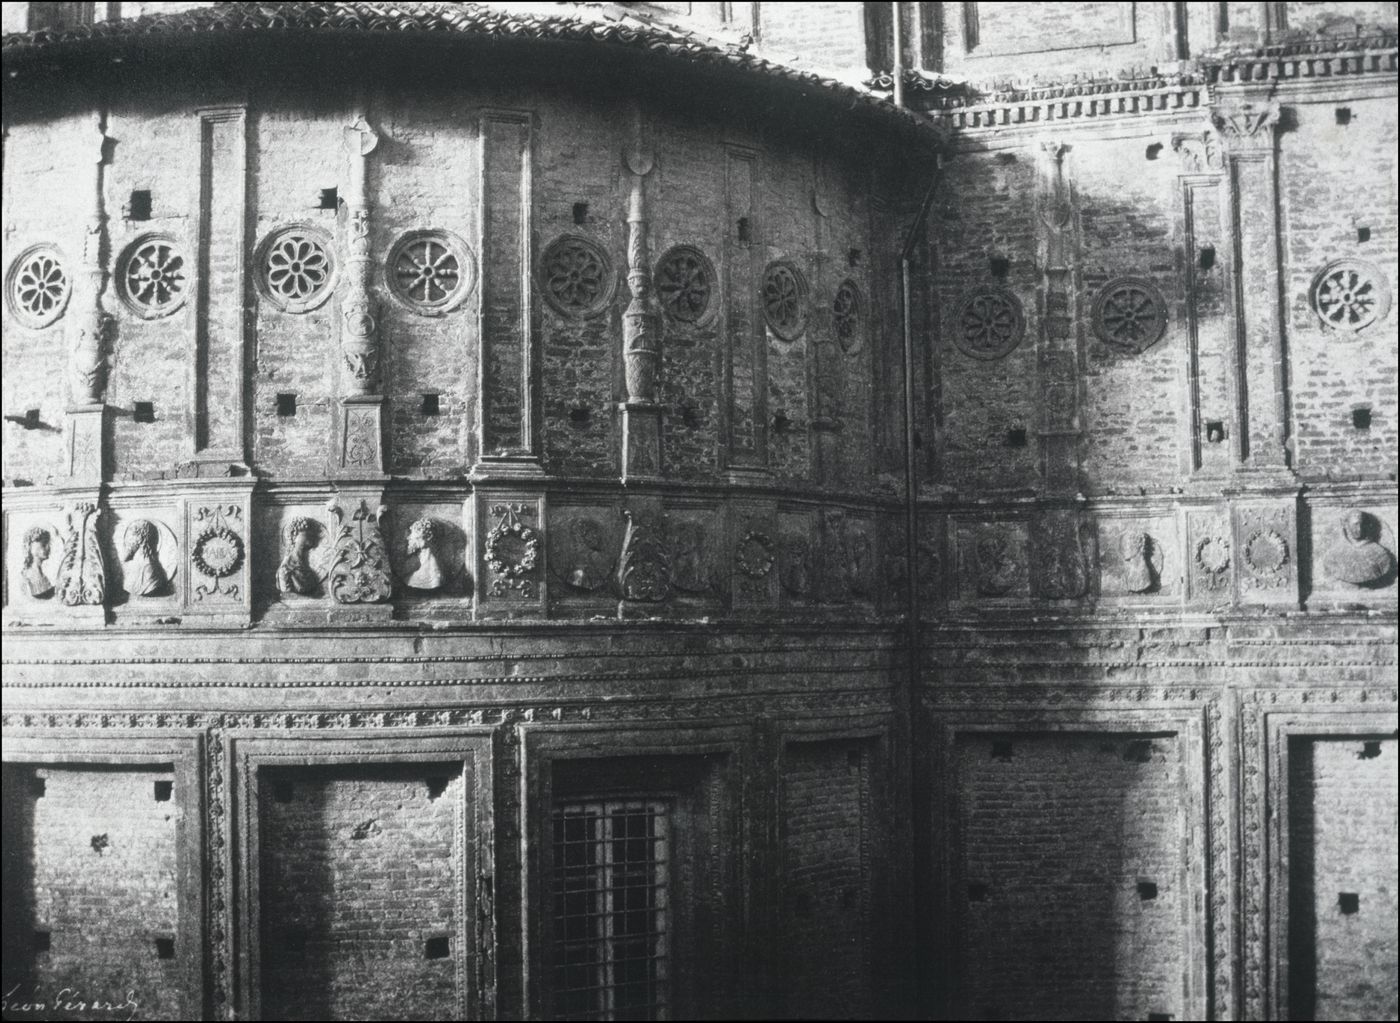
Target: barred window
(612, 910)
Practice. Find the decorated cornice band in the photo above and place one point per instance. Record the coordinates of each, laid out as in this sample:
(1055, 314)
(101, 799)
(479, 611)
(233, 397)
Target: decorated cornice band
(1000, 102)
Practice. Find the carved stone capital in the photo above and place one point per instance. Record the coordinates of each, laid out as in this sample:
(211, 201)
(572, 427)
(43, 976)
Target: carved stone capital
(1199, 152)
(1246, 124)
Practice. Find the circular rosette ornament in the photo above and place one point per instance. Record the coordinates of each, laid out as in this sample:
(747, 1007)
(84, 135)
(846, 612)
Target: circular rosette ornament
(1213, 559)
(37, 286)
(1131, 314)
(218, 552)
(754, 555)
(1266, 554)
(785, 300)
(576, 277)
(989, 324)
(296, 268)
(685, 284)
(1350, 295)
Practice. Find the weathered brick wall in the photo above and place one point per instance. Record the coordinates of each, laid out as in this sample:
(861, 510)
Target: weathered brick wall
(360, 872)
(425, 175)
(1332, 371)
(1342, 878)
(827, 881)
(822, 34)
(90, 862)
(581, 190)
(158, 154)
(1073, 876)
(47, 196)
(986, 211)
(1131, 407)
(1019, 40)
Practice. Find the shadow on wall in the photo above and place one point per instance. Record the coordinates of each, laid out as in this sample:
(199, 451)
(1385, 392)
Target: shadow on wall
(22, 942)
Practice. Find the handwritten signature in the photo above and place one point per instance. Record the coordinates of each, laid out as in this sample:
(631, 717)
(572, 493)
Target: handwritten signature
(66, 1000)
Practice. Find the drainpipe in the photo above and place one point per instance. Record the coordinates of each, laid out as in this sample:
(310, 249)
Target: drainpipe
(898, 56)
(918, 790)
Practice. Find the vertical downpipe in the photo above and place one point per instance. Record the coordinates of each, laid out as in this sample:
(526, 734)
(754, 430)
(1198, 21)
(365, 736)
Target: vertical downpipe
(918, 791)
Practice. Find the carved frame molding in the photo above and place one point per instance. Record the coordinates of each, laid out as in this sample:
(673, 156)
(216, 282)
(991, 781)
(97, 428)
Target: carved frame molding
(1195, 718)
(1268, 721)
(237, 758)
(183, 749)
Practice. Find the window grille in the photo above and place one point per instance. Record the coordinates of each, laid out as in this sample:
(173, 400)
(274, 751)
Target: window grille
(612, 910)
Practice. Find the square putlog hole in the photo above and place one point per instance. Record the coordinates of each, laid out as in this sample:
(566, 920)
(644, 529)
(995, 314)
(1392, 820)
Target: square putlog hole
(43, 941)
(1147, 890)
(286, 405)
(436, 948)
(432, 404)
(138, 207)
(144, 411)
(165, 948)
(1001, 749)
(1349, 903)
(163, 791)
(1361, 418)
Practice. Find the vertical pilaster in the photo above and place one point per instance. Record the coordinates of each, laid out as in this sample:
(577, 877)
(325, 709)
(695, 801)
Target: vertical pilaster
(218, 378)
(361, 448)
(1247, 126)
(745, 344)
(1207, 376)
(641, 327)
(1059, 352)
(509, 441)
(825, 384)
(88, 450)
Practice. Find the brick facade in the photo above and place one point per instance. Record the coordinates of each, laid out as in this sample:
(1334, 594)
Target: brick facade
(517, 419)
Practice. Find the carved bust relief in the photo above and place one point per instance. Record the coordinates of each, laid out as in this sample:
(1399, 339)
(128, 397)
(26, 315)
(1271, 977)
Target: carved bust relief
(427, 575)
(295, 576)
(38, 548)
(145, 574)
(1358, 556)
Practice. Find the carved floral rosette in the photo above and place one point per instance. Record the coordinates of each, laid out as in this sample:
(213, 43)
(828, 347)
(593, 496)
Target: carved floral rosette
(1264, 552)
(512, 552)
(359, 567)
(754, 555)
